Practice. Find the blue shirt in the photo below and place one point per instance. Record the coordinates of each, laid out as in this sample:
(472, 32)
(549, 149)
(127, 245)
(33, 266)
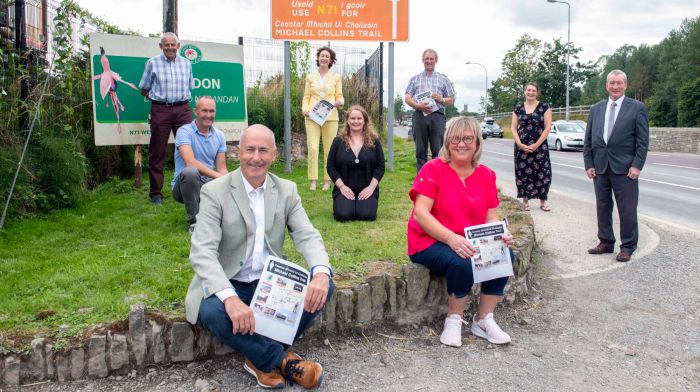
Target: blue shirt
(435, 82)
(167, 80)
(204, 147)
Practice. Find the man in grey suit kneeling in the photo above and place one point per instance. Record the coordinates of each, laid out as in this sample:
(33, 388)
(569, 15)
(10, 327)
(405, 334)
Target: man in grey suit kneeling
(614, 150)
(241, 221)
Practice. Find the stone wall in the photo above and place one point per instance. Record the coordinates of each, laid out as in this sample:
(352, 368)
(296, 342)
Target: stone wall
(414, 296)
(685, 140)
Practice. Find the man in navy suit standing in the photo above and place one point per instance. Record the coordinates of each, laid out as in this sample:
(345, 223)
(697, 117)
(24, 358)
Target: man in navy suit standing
(615, 148)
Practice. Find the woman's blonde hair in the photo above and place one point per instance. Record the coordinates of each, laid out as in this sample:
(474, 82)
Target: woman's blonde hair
(368, 133)
(458, 127)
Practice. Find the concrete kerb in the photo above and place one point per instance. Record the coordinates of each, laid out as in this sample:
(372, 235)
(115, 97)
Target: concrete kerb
(413, 297)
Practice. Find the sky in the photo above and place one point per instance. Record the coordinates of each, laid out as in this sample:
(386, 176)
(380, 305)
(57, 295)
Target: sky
(459, 30)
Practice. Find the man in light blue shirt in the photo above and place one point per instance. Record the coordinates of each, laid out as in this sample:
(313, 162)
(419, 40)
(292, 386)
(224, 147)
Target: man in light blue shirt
(200, 156)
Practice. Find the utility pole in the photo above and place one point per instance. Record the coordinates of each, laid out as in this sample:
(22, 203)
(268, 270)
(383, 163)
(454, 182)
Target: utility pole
(170, 16)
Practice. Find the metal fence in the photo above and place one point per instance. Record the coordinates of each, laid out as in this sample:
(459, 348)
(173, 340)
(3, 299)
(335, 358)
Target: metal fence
(582, 109)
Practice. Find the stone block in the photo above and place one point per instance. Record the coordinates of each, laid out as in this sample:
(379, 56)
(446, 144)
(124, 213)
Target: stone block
(400, 295)
(158, 343)
(62, 367)
(50, 362)
(118, 352)
(137, 320)
(392, 305)
(97, 362)
(329, 314)
(378, 295)
(202, 347)
(139, 348)
(314, 326)
(220, 348)
(363, 303)
(344, 308)
(181, 347)
(12, 366)
(34, 368)
(77, 363)
(417, 284)
(437, 295)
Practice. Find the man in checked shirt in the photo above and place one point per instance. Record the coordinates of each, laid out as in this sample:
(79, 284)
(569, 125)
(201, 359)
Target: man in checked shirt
(167, 81)
(429, 122)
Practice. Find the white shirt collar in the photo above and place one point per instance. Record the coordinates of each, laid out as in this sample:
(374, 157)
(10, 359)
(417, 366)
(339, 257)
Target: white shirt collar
(618, 101)
(249, 188)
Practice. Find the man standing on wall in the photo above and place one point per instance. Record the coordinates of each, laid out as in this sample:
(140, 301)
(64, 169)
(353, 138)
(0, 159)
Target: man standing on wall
(167, 82)
(423, 90)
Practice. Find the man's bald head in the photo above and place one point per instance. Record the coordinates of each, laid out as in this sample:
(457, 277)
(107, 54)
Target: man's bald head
(257, 151)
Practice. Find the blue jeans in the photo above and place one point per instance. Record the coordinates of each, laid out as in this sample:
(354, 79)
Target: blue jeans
(266, 354)
(441, 260)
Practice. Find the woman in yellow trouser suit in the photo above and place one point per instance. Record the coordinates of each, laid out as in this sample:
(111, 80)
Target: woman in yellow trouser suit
(327, 85)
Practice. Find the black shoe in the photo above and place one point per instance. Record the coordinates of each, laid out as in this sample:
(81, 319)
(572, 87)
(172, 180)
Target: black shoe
(157, 201)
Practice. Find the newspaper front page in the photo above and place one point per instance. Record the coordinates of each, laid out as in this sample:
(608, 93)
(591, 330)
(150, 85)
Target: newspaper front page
(278, 302)
(319, 113)
(492, 257)
(426, 97)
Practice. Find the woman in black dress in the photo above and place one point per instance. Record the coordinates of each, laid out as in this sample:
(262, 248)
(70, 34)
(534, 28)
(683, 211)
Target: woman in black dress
(530, 126)
(356, 165)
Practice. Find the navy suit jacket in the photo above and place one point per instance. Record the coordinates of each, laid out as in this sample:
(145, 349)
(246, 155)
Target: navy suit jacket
(627, 144)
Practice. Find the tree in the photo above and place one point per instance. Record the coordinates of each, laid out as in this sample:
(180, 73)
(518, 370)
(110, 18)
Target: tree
(551, 74)
(689, 104)
(398, 107)
(519, 66)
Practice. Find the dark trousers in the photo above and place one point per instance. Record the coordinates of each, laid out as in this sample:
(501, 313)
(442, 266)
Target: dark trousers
(441, 260)
(345, 209)
(266, 354)
(186, 190)
(626, 192)
(427, 131)
(164, 119)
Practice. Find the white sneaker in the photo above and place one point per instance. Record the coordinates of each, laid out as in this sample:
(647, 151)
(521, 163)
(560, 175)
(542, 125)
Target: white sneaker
(452, 333)
(489, 330)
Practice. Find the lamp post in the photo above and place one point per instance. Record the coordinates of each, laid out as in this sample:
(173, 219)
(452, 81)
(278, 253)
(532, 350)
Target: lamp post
(568, 45)
(486, 87)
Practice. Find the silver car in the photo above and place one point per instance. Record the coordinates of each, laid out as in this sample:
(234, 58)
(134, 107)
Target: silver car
(566, 136)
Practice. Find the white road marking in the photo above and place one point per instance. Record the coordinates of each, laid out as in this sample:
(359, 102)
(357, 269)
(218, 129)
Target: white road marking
(640, 179)
(684, 167)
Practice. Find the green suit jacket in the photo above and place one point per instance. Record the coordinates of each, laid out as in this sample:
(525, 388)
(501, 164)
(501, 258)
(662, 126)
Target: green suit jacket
(225, 233)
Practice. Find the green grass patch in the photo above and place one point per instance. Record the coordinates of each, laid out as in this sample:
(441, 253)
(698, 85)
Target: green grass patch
(87, 265)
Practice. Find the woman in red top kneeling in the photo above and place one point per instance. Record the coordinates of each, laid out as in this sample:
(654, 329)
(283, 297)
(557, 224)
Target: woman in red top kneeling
(452, 192)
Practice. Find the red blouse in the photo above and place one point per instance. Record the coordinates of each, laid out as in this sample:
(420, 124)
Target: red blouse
(456, 204)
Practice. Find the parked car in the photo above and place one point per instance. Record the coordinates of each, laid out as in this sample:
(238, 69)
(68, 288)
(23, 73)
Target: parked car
(566, 136)
(494, 130)
(485, 131)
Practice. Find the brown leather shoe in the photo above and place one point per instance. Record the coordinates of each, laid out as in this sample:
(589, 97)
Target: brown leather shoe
(308, 374)
(271, 380)
(624, 256)
(601, 248)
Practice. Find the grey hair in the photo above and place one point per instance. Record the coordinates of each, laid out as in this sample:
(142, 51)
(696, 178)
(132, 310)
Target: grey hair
(458, 126)
(430, 51)
(169, 35)
(616, 72)
(261, 127)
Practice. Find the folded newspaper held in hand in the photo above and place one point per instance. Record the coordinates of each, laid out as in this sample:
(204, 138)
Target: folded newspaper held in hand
(278, 302)
(319, 113)
(426, 97)
(492, 257)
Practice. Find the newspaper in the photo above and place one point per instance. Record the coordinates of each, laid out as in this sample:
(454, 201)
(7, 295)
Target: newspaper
(319, 113)
(426, 97)
(278, 302)
(492, 257)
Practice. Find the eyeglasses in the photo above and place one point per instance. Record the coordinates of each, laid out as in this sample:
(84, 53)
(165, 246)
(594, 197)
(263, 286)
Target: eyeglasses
(466, 139)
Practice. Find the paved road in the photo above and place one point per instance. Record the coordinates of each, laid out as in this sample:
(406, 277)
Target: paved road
(669, 184)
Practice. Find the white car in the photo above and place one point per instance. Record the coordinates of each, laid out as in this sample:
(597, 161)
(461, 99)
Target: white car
(566, 136)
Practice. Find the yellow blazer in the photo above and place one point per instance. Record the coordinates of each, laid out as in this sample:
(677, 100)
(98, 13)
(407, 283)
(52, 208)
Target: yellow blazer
(317, 88)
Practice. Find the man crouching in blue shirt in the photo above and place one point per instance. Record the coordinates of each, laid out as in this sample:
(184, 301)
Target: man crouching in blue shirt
(200, 156)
